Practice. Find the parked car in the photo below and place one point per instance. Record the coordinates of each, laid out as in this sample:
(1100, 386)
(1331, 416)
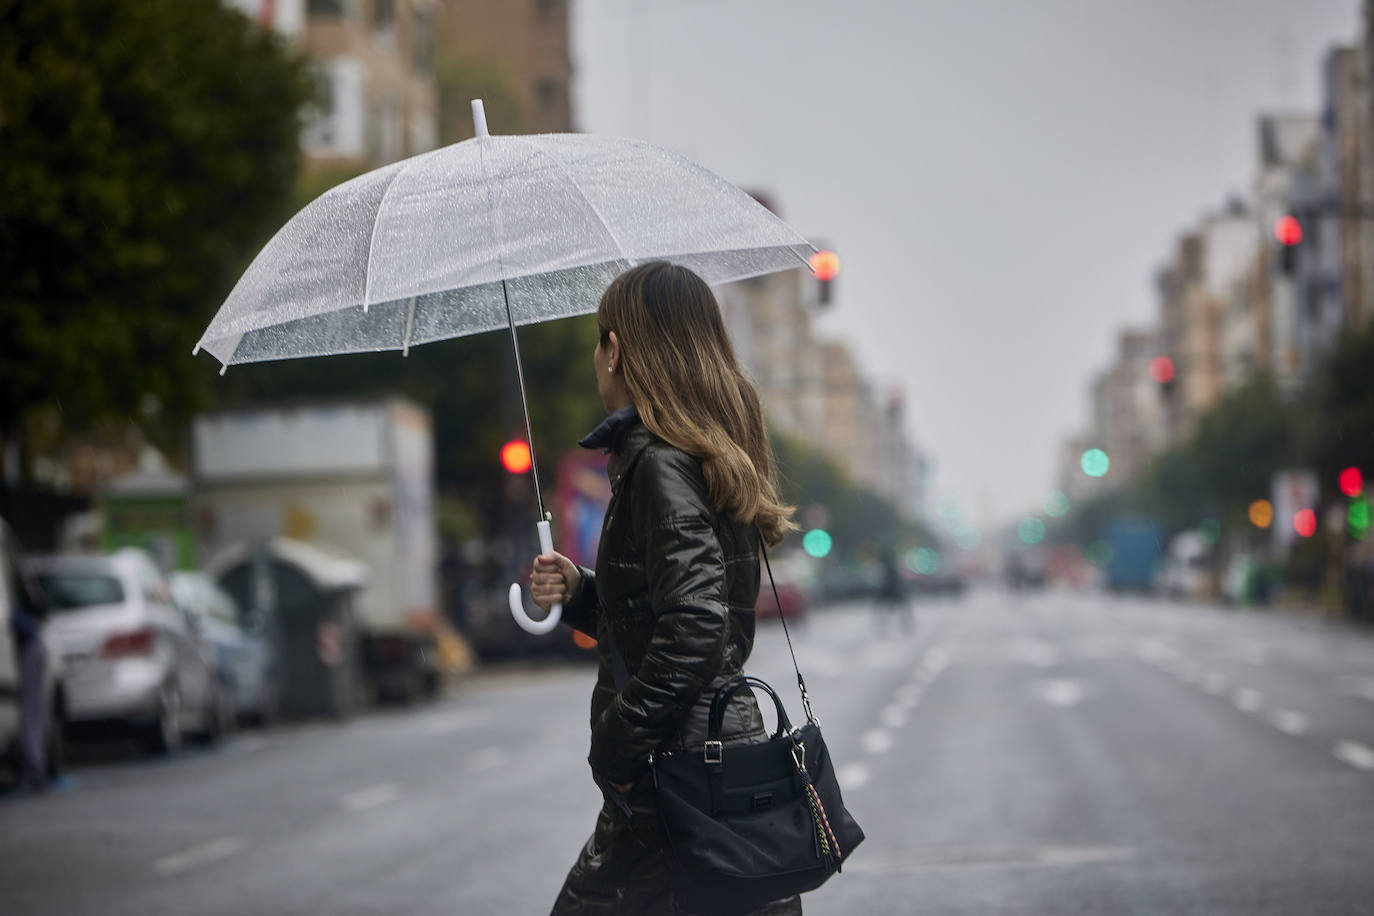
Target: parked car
(244, 660)
(131, 657)
(18, 591)
(791, 600)
(1187, 566)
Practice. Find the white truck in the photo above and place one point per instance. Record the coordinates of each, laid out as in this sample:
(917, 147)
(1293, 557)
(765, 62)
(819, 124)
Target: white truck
(356, 478)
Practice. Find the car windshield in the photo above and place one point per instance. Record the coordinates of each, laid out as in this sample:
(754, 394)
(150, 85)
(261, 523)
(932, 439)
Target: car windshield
(68, 591)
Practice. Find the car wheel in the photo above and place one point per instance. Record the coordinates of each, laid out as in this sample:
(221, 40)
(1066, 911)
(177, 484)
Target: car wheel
(164, 734)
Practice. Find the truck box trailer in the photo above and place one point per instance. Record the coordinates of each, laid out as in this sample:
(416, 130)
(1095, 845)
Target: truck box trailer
(356, 478)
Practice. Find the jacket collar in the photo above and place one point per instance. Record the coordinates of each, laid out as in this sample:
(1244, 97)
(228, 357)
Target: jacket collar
(622, 435)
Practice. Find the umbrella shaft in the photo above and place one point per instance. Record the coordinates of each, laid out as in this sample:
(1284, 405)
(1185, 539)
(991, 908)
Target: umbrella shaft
(524, 403)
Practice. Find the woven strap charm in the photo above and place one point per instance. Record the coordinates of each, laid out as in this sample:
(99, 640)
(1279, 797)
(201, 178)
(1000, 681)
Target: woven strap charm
(830, 846)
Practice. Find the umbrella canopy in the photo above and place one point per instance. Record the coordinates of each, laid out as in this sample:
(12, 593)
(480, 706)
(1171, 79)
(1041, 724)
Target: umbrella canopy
(419, 250)
(493, 232)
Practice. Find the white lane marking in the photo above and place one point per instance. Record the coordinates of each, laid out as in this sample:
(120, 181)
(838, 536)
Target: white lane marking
(1360, 756)
(1290, 722)
(876, 741)
(447, 725)
(198, 855)
(371, 797)
(1247, 699)
(852, 775)
(1214, 683)
(1060, 692)
(487, 758)
(893, 717)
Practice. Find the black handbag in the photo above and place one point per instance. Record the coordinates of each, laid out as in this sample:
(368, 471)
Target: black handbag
(749, 824)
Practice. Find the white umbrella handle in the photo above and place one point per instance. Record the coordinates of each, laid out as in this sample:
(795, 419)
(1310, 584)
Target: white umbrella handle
(517, 601)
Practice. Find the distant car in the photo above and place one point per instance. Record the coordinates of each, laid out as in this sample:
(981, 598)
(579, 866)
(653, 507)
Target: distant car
(843, 583)
(18, 591)
(1187, 566)
(131, 657)
(244, 660)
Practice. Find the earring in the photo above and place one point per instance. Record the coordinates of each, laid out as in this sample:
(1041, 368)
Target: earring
(610, 370)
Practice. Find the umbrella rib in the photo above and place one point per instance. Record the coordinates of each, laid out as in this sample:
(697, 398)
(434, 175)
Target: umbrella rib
(600, 218)
(372, 239)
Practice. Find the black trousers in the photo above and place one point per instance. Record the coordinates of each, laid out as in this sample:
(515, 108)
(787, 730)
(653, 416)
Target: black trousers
(623, 871)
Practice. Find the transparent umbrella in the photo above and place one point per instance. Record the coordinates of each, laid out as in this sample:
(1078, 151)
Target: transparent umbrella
(493, 232)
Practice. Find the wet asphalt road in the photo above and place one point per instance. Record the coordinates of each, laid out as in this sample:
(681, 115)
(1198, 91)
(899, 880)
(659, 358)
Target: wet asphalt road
(1050, 753)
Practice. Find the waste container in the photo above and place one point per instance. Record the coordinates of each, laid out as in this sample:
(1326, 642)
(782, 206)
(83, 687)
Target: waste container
(303, 597)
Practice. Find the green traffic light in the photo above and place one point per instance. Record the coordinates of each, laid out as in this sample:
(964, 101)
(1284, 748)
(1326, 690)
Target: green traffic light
(1357, 517)
(817, 542)
(1095, 462)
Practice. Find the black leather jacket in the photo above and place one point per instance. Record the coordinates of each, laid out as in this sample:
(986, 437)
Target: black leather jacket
(676, 583)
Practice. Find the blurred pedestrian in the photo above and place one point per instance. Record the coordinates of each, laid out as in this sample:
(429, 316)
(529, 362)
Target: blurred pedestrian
(693, 486)
(26, 625)
(892, 604)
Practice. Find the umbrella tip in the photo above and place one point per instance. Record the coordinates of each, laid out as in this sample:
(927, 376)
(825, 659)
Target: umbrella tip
(195, 350)
(479, 118)
(223, 369)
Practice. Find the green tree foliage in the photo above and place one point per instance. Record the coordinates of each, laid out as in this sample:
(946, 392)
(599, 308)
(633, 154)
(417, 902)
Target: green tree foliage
(1338, 419)
(146, 148)
(856, 515)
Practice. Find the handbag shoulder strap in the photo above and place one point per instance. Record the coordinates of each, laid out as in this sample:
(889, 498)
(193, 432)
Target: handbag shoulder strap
(801, 681)
(621, 672)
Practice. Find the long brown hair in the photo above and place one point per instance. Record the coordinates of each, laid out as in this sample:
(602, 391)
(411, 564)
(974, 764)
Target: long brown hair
(682, 375)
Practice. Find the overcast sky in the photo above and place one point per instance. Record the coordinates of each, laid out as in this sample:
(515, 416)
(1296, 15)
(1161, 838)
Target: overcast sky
(1001, 177)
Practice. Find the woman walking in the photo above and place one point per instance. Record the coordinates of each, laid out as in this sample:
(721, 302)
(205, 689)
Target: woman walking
(677, 571)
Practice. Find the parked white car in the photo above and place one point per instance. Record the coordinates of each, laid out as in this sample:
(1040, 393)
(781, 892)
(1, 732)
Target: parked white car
(130, 655)
(16, 592)
(243, 655)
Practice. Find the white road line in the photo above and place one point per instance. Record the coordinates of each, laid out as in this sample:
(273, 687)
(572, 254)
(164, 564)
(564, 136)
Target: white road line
(1247, 699)
(371, 797)
(198, 855)
(852, 775)
(447, 725)
(876, 741)
(1360, 756)
(1062, 692)
(1290, 722)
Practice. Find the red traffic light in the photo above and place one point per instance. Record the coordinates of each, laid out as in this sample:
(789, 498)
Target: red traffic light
(1351, 481)
(1305, 522)
(1162, 369)
(1288, 230)
(825, 264)
(515, 456)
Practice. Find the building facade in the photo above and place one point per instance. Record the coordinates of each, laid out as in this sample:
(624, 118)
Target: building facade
(378, 96)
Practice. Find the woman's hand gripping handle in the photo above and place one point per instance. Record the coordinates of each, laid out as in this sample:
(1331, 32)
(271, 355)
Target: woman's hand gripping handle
(552, 582)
